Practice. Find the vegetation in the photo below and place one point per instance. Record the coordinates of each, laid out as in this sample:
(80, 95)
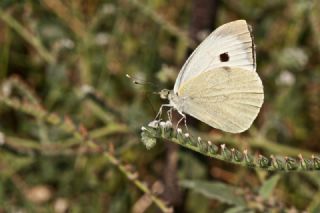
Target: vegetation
(74, 128)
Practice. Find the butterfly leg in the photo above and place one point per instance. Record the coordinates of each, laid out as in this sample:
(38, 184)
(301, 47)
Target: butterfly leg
(185, 122)
(160, 110)
(184, 117)
(169, 113)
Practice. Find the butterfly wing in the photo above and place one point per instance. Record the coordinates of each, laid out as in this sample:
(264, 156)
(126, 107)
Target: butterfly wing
(229, 45)
(224, 98)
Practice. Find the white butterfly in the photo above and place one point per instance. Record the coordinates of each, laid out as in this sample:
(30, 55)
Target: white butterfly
(218, 84)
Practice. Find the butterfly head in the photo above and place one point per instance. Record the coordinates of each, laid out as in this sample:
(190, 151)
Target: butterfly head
(164, 94)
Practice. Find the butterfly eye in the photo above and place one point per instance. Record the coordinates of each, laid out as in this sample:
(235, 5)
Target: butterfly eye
(224, 57)
(164, 93)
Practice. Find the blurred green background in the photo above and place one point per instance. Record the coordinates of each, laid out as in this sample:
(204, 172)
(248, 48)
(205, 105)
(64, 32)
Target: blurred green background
(70, 120)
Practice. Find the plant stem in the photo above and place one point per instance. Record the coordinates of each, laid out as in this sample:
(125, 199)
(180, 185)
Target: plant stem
(24, 33)
(68, 126)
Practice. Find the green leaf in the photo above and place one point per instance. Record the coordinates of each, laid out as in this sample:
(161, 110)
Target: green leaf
(216, 190)
(268, 186)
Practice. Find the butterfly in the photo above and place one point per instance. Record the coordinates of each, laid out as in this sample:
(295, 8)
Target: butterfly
(218, 84)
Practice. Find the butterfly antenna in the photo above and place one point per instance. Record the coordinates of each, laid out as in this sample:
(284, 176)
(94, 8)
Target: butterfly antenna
(141, 82)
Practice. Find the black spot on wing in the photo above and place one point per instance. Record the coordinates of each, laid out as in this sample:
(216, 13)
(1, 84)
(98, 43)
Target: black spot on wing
(224, 57)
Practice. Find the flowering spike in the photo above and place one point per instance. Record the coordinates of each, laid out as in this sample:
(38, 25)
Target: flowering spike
(212, 148)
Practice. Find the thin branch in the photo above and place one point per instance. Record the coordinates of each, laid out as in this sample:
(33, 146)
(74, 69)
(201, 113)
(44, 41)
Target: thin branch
(62, 10)
(80, 133)
(133, 177)
(164, 130)
(172, 29)
(24, 33)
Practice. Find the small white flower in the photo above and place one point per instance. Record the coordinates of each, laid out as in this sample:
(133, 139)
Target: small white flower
(143, 128)
(163, 124)
(286, 78)
(108, 9)
(168, 124)
(2, 138)
(102, 39)
(67, 43)
(154, 124)
(6, 89)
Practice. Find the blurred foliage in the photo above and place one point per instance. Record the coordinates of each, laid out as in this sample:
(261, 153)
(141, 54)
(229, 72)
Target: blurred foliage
(70, 119)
